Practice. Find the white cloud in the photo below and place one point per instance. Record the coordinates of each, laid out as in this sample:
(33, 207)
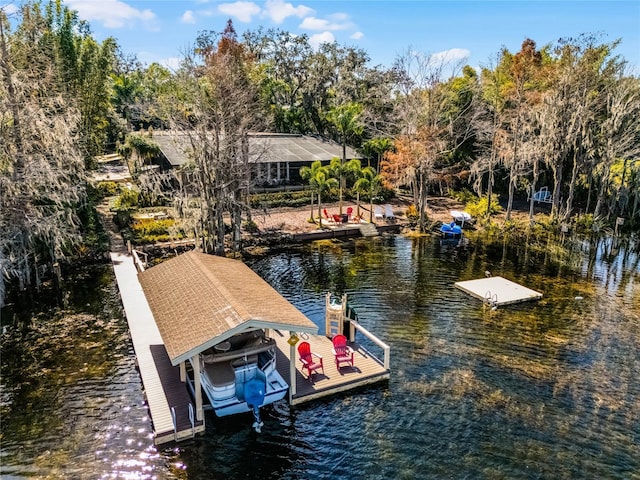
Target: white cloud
(112, 13)
(451, 55)
(339, 17)
(357, 35)
(243, 11)
(8, 8)
(187, 17)
(172, 63)
(278, 10)
(319, 38)
(317, 24)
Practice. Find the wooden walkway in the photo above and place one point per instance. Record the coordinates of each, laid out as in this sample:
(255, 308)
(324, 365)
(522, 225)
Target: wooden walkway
(498, 291)
(161, 380)
(366, 370)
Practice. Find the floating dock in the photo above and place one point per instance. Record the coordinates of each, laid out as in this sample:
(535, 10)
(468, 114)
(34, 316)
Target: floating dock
(498, 291)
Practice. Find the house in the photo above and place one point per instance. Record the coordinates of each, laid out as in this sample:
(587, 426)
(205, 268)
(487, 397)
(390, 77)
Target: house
(276, 158)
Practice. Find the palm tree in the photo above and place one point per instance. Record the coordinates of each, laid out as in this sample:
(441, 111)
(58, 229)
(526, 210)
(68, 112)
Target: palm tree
(371, 183)
(377, 146)
(339, 170)
(346, 120)
(353, 170)
(320, 180)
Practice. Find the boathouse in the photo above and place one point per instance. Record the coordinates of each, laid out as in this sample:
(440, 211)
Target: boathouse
(201, 300)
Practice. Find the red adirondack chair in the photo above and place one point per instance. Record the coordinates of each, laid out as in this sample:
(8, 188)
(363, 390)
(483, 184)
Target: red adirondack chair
(311, 362)
(342, 352)
(349, 212)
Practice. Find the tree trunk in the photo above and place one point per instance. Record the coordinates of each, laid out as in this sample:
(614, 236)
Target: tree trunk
(236, 222)
(422, 202)
(534, 181)
(602, 192)
(557, 180)
(572, 186)
(219, 238)
(512, 184)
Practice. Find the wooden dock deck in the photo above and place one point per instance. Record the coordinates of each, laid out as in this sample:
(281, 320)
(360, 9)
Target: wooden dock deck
(161, 381)
(498, 291)
(366, 370)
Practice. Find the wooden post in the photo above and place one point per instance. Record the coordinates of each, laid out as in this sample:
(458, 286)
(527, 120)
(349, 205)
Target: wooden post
(293, 387)
(183, 372)
(195, 361)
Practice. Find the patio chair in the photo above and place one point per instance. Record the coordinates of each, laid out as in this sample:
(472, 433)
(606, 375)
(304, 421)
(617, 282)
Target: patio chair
(327, 217)
(388, 212)
(460, 217)
(349, 213)
(378, 212)
(311, 362)
(341, 351)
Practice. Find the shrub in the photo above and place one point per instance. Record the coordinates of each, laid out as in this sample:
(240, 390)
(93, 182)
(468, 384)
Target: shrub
(250, 226)
(107, 189)
(478, 207)
(127, 200)
(280, 199)
(148, 230)
(464, 196)
(412, 212)
(587, 223)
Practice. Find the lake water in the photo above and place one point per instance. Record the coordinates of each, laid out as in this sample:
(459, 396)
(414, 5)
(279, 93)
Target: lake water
(548, 389)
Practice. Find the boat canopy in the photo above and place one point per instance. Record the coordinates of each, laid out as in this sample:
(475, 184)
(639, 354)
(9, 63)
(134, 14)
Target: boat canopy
(199, 300)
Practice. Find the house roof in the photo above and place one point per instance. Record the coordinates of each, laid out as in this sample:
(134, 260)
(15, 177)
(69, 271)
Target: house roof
(199, 300)
(263, 147)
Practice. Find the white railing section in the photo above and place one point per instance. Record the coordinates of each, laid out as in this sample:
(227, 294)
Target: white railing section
(140, 265)
(175, 424)
(385, 348)
(192, 420)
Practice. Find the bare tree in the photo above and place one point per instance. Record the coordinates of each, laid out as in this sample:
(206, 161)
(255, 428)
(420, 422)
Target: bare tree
(425, 110)
(217, 107)
(618, 135)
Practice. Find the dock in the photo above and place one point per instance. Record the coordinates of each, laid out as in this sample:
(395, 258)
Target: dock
(170, 405)
(367, 369)
(498, 291)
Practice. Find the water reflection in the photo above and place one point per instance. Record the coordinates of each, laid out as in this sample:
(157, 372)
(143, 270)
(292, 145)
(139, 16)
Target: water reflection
(72, 404)
(539, 390)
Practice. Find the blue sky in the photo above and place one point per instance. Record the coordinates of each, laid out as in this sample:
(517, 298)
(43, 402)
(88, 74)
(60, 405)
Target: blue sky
(161, 30)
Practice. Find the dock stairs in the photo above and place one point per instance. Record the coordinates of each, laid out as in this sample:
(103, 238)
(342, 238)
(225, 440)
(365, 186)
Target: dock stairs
(368, 229)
